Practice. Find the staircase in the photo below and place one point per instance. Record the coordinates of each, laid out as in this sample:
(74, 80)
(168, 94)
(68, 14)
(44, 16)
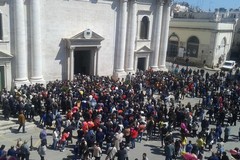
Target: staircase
(11, 125)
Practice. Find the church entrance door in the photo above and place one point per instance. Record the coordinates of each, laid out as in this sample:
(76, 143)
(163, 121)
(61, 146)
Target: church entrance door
(83, 62)
(2, 79)
(141, 64)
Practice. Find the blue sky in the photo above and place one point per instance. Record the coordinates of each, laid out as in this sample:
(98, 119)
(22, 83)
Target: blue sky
(212, 4)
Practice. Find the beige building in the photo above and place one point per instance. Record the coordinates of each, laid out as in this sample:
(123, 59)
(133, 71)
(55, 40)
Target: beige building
(201, 37)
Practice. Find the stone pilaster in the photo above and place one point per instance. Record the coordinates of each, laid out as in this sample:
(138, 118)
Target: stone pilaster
(121, 45)
(132, 29)
(36, 54)
(165, 34)
(71, 55)
(157, 34)
(21, 59)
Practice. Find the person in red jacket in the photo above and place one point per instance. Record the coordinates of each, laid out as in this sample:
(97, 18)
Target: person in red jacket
(134, 135)
(63, 140)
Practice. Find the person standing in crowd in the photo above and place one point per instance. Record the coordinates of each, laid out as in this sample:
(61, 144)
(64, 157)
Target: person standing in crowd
(226, 133)
(213, 157)
(97, 151)
(3, 153)
(224, 156)
(43, 135)
(12, 152)
(55, 137)
(18, 148)
(134, 135)
(63, 140)
(42, 150)
(25, 151)
(169, 150)
(149, 128)
(21, 121)
(121, 154)
(220, 147)
(111, 152)
(189, 147)
(58, 122)
(200, 144)
(6, 109)
(100, 137)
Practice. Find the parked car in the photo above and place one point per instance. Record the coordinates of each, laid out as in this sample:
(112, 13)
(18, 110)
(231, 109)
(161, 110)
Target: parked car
(229, 65)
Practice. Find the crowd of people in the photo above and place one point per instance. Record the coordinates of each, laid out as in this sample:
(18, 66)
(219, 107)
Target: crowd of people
(110, 116)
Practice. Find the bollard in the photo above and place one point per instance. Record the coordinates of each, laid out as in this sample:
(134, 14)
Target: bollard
(31, 145)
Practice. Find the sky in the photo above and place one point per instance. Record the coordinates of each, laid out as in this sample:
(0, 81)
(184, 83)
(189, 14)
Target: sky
(212, 4)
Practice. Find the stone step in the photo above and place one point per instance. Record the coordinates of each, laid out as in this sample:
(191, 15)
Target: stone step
(11, 126)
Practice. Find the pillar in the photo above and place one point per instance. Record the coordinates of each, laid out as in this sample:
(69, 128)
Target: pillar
(215, 50)
(71, 54)
(157, 34)
(132, 29)
(121, 45)
(36, 54)
(165, 34)
(21, 70)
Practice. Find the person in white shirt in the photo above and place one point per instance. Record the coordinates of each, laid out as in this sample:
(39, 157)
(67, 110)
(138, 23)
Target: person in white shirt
(55, 139)
(97, 151)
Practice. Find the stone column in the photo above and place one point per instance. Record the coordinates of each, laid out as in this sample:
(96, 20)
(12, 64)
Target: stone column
(157, 34)
(36, 54)
(215, 50)
(165, 33)
(21, 61)
(122, 31)
(132, 29)
(71, 54)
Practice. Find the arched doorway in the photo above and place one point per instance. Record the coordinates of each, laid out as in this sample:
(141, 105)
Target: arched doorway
(192, 47)
(173, 45)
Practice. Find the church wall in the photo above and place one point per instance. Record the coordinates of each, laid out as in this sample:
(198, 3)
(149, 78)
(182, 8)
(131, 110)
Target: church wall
(144, 9)
(65, 19)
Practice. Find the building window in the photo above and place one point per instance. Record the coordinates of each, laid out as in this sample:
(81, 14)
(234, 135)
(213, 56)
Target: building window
(192, 46)
(173, 46)
(144, 28)
(1, 27)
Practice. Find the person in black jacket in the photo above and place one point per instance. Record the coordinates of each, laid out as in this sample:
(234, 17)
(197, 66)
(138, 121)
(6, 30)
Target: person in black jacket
(122, 153)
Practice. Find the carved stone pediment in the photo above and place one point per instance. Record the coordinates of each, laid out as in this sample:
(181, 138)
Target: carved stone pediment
(4, 55)
(85, 38)
(144, 49)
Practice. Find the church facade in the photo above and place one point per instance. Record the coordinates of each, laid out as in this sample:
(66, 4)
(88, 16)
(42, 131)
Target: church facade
(45, 40)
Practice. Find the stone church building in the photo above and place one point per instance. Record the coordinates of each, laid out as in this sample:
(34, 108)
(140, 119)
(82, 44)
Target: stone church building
(45, 40)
